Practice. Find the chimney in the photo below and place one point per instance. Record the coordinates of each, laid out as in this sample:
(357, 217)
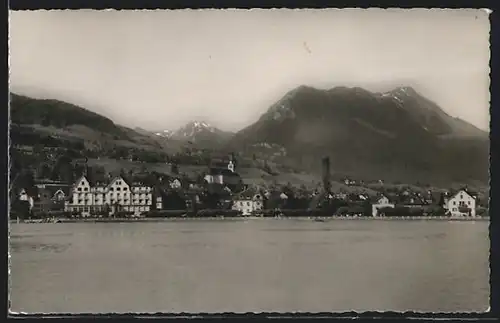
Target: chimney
(326, 174)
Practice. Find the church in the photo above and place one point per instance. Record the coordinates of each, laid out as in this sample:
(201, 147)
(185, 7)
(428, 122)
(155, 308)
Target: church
(223, 172)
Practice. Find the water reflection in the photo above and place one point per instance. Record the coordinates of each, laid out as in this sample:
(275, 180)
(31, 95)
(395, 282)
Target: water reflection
(253, 266)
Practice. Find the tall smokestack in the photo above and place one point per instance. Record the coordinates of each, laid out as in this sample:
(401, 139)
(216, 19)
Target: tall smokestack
(326, 174)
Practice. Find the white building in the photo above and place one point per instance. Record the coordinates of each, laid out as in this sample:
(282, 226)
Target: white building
(23, 196)
(216, 175)
(118, 195)
(461, 204)
(214, 178)
(59, 196)
(158, 199)
(230, 166)
(248, 202)
(382, 202)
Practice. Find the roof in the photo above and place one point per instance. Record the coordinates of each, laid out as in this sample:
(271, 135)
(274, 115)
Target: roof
(249, 193)
(128, 179)
(216, 170)
(50, 182)
(49, 192)
(413, 200)
(75, 184)
(379, 196)
(454, 193)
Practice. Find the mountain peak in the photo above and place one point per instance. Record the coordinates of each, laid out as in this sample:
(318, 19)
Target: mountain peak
(198, 124)
(193, 127)
(200, 130)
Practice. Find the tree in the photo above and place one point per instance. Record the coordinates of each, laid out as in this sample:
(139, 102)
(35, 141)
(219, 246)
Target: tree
(107, 209)
(211, 200)
(20, 209)
(174, 169)
(44, 171)
(441, 200)
(37, 149)
(367, 208)
(174, 201)
(26, 180)
(98, 172)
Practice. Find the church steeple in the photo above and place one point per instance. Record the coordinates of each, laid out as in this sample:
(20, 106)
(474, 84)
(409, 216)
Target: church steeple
(232, 163)
(230, 166)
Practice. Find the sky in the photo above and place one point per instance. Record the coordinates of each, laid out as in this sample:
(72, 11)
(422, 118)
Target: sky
(160, 69)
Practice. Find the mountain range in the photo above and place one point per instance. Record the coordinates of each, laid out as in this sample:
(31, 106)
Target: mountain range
(396, 135)
(198, 133)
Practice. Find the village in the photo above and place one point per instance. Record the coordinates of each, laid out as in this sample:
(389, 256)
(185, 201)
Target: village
(222, 192)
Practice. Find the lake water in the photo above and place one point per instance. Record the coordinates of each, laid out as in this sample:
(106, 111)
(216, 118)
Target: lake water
(261, 265)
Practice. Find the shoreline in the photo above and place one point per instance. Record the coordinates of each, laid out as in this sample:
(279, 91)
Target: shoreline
(243, 218)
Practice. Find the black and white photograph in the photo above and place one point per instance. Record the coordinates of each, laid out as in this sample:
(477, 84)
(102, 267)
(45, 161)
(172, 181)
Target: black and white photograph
(249, 161)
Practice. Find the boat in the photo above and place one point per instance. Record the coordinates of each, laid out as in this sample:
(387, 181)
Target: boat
(319, 220)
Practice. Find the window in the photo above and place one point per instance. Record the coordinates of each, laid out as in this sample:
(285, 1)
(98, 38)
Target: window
(119, 182)
(468, 202)
(454, 203)
(85, 209)
(118, 188)
(79, 189)
(125, 188)
(248, 203)
(461, 196)
(111, 189)
(86, 189)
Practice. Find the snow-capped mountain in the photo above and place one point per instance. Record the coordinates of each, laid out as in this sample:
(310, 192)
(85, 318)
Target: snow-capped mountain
(193, 129)
(201, 133)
